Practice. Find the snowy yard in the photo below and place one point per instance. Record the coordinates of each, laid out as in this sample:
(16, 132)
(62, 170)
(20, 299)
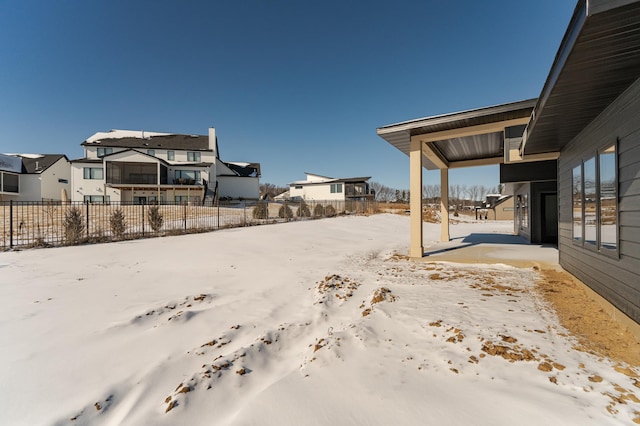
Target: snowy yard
(321, 322)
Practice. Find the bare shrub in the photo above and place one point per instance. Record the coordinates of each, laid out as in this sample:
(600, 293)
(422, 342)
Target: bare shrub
(155, 218)
(285, 212)
(73, 225)
(318, 210)
(430, 215)
(117, 223)
(303, 210)
(329, 211)
(261, 211)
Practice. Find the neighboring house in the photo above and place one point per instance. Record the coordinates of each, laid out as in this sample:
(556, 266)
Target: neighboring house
(10, 170)
(34, 177)
(323, 188)
(499, 207)
(150, 167)
(571, 156)
(238, 180)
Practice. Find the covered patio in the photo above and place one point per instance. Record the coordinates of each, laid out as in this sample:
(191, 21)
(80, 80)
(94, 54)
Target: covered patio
(478, 137)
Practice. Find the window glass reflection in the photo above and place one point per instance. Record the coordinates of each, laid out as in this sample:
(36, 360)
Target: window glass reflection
(608, 199)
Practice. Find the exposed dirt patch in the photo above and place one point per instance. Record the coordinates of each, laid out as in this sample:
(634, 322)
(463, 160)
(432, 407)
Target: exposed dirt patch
(595, 330)
(341, 287)
(382, 294)
(510, 353)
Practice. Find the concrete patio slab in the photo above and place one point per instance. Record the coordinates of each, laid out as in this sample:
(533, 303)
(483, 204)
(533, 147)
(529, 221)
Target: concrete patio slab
(490, 248)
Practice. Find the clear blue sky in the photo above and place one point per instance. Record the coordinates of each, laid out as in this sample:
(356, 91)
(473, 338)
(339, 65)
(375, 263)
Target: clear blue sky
(299, 86)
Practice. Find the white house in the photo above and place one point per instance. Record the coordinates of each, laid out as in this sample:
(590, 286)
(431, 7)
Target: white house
(323, 188)
(151, 167)
(34, 177)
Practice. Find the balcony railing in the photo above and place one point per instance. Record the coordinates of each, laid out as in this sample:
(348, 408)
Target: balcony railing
(356, 191)
(187, 181)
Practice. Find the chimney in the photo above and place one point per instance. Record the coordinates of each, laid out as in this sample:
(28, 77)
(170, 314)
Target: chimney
(213, 170)
(213, 142)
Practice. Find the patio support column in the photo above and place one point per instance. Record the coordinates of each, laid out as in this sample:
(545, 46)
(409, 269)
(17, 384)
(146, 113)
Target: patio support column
(416, 250)
(444, 204)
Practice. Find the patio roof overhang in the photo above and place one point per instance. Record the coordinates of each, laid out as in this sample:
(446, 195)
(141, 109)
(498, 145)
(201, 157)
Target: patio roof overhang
(598, 59)
(461, 139)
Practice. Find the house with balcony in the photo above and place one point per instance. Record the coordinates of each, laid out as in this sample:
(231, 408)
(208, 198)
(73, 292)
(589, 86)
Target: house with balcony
(34, 177)
(149, 167)
(324, 188)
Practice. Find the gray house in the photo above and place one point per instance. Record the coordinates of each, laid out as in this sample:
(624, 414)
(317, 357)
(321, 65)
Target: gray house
(34, 177)
(571, 157)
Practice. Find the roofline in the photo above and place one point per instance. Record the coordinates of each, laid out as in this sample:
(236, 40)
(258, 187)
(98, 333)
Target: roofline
(332, 180)
(100, 144)
(160, 160)
(455, 116)
(566, 46)
(315, 174)
(584, 10)
(86, 160)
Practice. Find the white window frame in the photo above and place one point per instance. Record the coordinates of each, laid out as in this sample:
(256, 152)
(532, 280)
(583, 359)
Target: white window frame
(102, 151)
(89, 171)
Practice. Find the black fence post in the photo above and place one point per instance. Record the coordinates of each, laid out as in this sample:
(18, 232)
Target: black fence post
(142, 205)
(184, 215)
(87, 217)
(10, 223)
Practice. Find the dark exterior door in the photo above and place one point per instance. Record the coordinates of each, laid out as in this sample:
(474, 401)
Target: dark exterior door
(549, 218)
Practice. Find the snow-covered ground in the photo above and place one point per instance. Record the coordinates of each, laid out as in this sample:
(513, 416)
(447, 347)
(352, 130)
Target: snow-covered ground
(320, 322)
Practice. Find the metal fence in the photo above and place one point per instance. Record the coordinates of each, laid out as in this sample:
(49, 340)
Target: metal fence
(51, 223)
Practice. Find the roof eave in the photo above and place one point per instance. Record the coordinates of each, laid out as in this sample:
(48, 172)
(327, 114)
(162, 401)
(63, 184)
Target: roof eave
(456, 116)
(603, 38)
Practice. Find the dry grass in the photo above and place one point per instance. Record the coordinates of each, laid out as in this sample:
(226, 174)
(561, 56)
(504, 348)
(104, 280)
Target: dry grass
(595, 330)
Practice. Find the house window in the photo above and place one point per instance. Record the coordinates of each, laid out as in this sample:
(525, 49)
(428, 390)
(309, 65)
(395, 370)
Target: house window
(95, 199)
(596, 206)
(93, 173)
(104, 151)
(193, 156)
(171, 155)
(151, 152)
(10, 182)
(298, 186)
(63, 181)
(608, 191)
(336, 188)
(524, 211)
(577, 203)
(184, 199)
(187, 177)
(589, 215)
